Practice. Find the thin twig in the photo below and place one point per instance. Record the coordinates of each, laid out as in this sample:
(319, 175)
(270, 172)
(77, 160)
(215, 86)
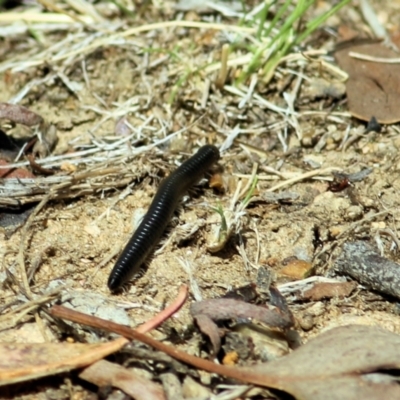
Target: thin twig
(366, 57)
(303, 177)
(235, 373)
(175, 306)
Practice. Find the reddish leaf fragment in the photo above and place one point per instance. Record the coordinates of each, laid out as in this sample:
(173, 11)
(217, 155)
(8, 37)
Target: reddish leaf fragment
(207, 311)
(340, 182)
(14, 172)
(19, 114)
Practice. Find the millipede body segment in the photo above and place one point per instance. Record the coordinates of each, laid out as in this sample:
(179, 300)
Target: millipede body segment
(159, 215)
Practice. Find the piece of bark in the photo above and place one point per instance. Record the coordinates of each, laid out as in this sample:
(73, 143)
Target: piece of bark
(362, 262)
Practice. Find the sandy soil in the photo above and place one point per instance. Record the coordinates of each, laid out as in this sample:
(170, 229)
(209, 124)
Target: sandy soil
(70, 238)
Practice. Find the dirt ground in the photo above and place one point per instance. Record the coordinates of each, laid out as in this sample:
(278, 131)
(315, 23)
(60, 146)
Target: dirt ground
(73, 242)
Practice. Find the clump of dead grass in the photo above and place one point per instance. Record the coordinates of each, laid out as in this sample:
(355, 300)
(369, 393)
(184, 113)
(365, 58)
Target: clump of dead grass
(254, 46)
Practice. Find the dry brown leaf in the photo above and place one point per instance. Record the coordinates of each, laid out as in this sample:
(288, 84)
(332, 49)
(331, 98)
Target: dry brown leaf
(373, 88)
(103, 373)
(21, 361)
(19, 114)
(352, 359)
(205, 312)
(338, 364)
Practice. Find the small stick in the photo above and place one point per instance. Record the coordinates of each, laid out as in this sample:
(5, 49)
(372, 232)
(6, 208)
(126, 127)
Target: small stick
(366, 57)
(166, 313)
(302, 177)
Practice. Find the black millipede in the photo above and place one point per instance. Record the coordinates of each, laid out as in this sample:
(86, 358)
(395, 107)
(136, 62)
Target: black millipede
(160, 212)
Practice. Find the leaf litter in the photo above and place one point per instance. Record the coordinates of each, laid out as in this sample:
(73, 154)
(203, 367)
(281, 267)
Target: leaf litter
(342, 363)
(373, 85)
(118, 129)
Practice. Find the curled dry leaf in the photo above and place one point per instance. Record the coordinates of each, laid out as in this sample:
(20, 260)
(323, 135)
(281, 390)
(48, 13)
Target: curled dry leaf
(206, 312)
(47, 136)
(105, 373)
(21, 362)
(19, 114)
(221, 232)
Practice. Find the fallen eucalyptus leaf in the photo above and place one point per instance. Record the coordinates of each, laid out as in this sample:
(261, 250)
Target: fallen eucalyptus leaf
(336, 365)
(25, 361)
(373, 88)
